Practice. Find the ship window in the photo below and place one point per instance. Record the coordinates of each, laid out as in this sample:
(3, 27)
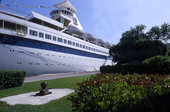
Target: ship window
(77, 44)
(54, 38)
(33, 33)
(53, 46)
(32, 43)
(86, 47)
(60, 40)
(19, 63)
(48, 45)
(22, 29)
(21, 51)
(69, 42)
(1, 23)
(11, 50)
(37, 63)
(41, 34)
(65, 41)
(30, 63)
(9, 25)
(21, 41)
(39, 44)
(80, 46)
(47, 36)
(73, 43)
(90, 48)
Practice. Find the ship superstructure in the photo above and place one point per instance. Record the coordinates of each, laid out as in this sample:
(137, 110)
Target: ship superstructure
(38, 44)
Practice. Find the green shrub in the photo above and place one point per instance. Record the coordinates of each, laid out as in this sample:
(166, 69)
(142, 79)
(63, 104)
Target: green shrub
(107, 69)
(154, 65)
(157, 65)
(10, 79)
(118, 93)
(124, 69)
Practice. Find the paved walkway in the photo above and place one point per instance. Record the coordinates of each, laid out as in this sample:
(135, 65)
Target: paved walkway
(56, 76)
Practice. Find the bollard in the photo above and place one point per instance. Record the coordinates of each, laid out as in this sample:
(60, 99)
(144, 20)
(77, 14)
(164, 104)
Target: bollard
(44, 91)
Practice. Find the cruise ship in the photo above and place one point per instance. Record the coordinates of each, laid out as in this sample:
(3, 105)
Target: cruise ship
(38, 44)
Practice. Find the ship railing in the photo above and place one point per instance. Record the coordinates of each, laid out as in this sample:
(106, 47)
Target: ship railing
(21, 32)
(4, 8)
(13, 28)
(15, 32)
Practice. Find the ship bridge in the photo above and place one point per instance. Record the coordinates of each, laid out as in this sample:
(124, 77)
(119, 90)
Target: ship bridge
(66, 14)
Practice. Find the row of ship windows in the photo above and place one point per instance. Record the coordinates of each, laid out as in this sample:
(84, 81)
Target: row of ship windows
(60, 56)
(63, 11)
(54, 38)
(78, 52)
(20, 63)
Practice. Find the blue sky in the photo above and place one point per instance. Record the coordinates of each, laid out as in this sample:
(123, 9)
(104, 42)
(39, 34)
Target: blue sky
(107, 19)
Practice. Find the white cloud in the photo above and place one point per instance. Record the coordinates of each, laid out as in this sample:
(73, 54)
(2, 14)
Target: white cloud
(113, 17)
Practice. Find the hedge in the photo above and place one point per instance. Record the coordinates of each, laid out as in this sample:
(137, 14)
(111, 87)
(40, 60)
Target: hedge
(118, 93)
(158, 64)
(9, 79)
(125, 69)
(154, 65)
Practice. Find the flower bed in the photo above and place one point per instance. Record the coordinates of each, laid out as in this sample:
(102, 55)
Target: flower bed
(118, 93)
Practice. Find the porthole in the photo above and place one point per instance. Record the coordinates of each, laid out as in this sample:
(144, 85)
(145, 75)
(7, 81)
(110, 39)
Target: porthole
(19, 63)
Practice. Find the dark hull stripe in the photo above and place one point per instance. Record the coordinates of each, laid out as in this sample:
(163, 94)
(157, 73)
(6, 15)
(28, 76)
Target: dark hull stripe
(19, 41)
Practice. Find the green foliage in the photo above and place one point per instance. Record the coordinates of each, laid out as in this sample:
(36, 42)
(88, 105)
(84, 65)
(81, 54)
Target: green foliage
(135, 45)
(158, 64)
(159, 33)
(107, 69)
(10, 79)
(118, 93)
(133, 34)
(124, 69)
(137, 51)
(168, 52)
(154, 65)
(154, 33)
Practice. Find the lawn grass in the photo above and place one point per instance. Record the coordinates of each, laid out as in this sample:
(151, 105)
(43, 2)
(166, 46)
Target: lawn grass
(61, 105)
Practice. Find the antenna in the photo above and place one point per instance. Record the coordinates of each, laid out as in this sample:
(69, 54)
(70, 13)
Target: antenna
(14, 5)
(34, 6)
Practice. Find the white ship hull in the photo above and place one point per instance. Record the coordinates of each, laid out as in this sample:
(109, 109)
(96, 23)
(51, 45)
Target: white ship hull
(19, 58)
